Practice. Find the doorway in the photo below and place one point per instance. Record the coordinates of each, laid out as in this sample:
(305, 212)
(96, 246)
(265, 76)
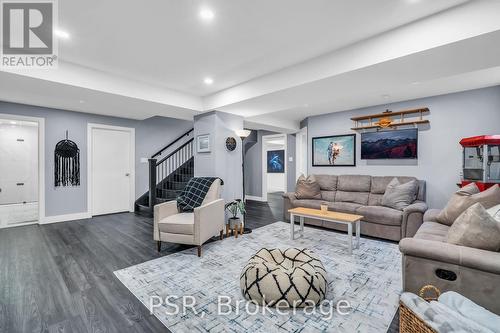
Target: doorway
(111, 168)
(21, 170)
(274, 170)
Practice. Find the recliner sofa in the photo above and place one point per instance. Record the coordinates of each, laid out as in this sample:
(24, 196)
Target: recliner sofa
(362, 194)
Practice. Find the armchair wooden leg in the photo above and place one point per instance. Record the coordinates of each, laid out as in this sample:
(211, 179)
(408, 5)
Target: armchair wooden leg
(158, 245)
(199, 250)
(221, 236)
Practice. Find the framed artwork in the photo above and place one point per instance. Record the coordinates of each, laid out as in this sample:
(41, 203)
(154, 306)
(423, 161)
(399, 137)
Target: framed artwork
(393, 144)
(276, 161)
(203, 143)
(334, 150)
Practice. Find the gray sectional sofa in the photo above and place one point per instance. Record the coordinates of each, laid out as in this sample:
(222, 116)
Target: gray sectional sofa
(429, 259)
(362, 194)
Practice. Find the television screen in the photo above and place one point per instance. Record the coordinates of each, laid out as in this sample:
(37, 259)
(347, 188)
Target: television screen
(276, 161)
(389, 144)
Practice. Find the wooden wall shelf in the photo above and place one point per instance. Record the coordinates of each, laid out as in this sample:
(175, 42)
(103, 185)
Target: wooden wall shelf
(388, 116)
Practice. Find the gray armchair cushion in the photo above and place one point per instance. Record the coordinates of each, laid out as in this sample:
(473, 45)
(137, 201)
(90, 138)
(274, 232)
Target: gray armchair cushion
(399, 196)
(182, 223)
(381, 215)
(466, 197)
(432, 231)
(307, 188)
(431, 215)
(475, 228)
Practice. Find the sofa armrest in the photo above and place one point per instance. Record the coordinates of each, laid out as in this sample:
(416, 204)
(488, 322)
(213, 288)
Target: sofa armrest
(162, 211)
(413, 217)
(289, 195)
(431, 215)
(288, 199)
(483, 260)
(208, 221)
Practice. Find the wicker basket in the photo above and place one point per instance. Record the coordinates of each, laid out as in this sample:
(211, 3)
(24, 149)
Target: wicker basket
(409, 322)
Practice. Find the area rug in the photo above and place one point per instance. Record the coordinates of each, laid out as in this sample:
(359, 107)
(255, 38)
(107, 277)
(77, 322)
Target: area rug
(369, 280)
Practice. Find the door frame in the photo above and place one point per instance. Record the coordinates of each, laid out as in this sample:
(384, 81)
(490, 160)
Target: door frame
(131, 130)
(264, 162)
(301, 154)
(41, 163)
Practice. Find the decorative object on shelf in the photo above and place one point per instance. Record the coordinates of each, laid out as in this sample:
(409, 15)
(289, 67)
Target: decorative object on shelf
(234, 223)
(203, 143)
(243, 133)
(334, 150)
(66, 163)
(388, 119)
(393, 144)
(276, 161)
(230, 143)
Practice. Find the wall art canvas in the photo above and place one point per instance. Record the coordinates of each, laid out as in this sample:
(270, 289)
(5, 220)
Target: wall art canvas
(334, 150)
(395, 144)
(275, 161)
(203, 143)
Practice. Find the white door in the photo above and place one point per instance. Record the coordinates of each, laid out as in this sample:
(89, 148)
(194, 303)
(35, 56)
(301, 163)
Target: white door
(111, 171)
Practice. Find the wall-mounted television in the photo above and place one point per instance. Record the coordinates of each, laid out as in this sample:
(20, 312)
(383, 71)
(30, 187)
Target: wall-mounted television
(392, 144)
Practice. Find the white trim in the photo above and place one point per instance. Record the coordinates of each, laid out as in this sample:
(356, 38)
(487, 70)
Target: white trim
(254, 198)
(41, 161)
(131, 130)
(301, 154)
(264, 162)
(66, 217)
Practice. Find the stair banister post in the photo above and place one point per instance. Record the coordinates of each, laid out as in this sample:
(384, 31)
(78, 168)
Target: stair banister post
(152, 183)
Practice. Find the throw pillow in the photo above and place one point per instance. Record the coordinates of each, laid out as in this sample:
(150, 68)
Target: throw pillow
(475, 228)
(494, 212)
(399, 196)
(307, 188)
(466, 197)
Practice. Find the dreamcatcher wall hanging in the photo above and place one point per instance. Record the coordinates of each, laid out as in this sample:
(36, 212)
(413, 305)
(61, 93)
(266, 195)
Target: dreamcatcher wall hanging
(66, 163)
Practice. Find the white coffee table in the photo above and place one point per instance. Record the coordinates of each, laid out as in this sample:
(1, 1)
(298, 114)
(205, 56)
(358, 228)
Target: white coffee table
(329, 216)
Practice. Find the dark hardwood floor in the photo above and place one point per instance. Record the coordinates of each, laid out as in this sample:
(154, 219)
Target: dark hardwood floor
(59, 277)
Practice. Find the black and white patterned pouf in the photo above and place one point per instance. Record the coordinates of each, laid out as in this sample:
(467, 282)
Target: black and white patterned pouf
(284, 278)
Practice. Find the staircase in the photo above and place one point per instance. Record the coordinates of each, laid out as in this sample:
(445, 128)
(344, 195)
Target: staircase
(169, 171)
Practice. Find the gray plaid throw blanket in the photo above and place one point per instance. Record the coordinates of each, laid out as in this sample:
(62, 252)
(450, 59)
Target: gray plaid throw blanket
(194, 193)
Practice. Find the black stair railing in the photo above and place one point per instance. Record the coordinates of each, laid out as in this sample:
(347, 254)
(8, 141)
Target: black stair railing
(167, 175)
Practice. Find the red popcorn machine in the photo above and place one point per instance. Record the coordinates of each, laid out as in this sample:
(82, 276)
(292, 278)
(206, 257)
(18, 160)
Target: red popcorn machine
(481, 160)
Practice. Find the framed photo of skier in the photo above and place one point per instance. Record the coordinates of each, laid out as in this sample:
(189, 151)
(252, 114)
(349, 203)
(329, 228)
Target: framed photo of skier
(334, 150)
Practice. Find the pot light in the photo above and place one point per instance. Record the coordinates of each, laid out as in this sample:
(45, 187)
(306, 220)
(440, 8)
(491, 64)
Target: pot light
(61, 34)
(206, 14)
(13, 123)
(208, 80)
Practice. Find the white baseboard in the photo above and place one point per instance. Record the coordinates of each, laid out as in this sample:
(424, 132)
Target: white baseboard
(66, 217)
(251, 197)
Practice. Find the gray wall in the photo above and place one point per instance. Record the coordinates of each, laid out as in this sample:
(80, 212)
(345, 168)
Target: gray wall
(220, 162)
(452, 117)
(253, 165)
(150, 135)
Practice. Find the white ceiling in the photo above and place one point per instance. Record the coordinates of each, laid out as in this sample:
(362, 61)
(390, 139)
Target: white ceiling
(273, 61)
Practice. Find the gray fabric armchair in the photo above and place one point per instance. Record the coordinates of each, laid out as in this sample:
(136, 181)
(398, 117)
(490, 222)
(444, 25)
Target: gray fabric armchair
(194, 228)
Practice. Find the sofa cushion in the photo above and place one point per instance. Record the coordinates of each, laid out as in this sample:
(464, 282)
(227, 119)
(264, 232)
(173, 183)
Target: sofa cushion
(398, 195)
(475, 228)
(432, 231)
(343, 207)
(307, 203)
(379, 183)
(307, 188)
(356, 197)
(381, 215)
(375, 199)
(354, 183)
(328, 195)
(327, 182)
(465, 198)
(178, 224)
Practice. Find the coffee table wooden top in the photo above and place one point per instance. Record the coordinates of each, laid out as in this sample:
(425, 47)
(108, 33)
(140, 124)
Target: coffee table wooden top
(328, 215)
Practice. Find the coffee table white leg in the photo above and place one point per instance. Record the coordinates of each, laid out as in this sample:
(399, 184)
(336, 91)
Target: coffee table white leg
(349, 237)
(292, 222)
(358, 231)
(302, 225)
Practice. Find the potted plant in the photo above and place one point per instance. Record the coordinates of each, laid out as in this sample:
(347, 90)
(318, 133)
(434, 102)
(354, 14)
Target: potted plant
(235, 207)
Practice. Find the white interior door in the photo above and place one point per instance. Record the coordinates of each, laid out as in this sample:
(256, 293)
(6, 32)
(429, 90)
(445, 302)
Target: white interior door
(111, 171)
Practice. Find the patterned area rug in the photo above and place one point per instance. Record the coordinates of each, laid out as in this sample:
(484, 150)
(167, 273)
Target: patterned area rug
(370, 280)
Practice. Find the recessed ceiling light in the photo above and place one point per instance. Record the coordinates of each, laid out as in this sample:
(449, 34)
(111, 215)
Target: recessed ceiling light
(416, 82)
(208, 80)
(207, 14)
(81, 101)
(13, 123)
(385, 96)
(61, 34)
